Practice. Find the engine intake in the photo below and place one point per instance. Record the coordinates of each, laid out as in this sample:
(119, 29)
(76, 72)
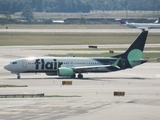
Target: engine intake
(63, 71)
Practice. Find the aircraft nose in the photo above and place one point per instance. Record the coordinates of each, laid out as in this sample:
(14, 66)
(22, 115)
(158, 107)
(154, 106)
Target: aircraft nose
(7, 67)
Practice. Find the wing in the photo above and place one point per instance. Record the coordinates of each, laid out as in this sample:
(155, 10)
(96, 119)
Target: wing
(143, 28)
(97, 67)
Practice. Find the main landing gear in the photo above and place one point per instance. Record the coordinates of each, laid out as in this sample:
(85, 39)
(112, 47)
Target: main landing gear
(80, 76)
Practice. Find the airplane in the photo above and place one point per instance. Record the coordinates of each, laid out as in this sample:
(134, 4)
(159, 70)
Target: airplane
(70, 66)
(142, 26)
(58, 21)
(157, 21)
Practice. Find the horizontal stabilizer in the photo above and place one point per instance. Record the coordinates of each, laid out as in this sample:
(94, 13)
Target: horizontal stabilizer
(115, 64)
(142, 60)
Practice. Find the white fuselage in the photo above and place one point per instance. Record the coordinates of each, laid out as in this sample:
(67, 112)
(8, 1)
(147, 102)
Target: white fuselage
(51, 64)
(143, 25)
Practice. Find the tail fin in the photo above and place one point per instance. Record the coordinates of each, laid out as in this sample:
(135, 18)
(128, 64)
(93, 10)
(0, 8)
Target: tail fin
(134, 52)
(157, 21)
(122, 21)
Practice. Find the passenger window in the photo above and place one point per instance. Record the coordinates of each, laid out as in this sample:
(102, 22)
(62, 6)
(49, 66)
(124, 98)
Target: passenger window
(14, 63)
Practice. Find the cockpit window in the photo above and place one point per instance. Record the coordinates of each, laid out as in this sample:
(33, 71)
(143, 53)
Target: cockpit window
(14, 62)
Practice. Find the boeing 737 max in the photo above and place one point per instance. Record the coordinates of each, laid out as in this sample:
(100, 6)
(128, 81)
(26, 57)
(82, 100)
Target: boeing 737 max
(142, 26)
(70, 66)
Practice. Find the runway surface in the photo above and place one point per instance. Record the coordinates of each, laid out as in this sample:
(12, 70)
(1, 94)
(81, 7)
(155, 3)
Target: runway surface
(80, 30)
(96, 102)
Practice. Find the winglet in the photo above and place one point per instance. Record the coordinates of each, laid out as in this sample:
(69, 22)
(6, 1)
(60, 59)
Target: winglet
(115, 64)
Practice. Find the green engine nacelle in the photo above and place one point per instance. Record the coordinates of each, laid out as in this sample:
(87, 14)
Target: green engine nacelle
(63, 71)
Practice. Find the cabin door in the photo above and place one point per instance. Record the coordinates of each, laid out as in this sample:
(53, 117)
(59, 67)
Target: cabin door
(24, 63)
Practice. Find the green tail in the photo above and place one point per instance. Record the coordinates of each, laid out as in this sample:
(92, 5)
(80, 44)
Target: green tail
(134, 53)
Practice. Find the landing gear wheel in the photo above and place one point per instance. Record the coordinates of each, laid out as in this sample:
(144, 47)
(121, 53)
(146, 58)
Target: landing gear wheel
(18, 76)
(80, 76)
(73, 76)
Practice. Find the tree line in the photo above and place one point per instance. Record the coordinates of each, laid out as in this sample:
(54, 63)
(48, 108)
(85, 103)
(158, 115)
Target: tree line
(13, 6)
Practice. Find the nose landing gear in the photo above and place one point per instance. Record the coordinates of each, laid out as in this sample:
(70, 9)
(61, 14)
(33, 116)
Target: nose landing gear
(18, 76)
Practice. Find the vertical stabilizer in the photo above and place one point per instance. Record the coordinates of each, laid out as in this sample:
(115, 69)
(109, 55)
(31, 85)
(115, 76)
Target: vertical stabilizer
(135, 51)
(122, 21)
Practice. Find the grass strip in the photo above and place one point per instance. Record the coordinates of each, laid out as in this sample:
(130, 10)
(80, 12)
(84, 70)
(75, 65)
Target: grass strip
(13, 86)
(34, 96)
(145, 55)
(155, 56)
(62, 96)
(101, 49)
(12, 39)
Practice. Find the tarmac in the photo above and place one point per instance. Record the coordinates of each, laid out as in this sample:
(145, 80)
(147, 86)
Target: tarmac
(94, 101)
(125, 30)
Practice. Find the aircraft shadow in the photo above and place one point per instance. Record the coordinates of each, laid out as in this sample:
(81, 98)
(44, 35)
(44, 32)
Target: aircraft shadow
(91, 79)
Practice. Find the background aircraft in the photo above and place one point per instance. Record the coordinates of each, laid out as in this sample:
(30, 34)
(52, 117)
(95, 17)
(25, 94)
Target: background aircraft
(70, 66)
(157, 21)
(142, 26)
